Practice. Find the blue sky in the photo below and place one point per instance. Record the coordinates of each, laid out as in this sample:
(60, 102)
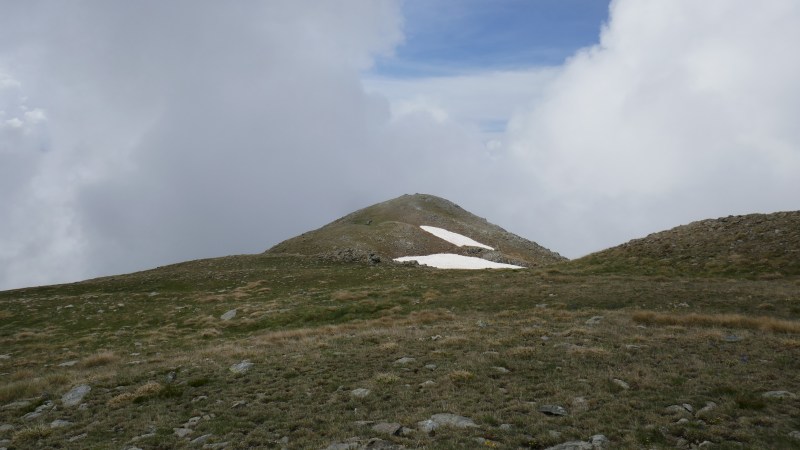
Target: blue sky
(443, 37)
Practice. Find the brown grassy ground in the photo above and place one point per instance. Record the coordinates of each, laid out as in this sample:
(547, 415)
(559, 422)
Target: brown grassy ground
(156, 354)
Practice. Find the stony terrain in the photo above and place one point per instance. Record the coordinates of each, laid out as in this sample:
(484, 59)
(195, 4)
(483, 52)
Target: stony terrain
(286, 351)
(392, 229)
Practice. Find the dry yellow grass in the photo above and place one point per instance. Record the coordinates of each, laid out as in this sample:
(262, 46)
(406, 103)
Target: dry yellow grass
(103, 358)
(763, 323)
(460, 376)
(386, 378)
(146, 390)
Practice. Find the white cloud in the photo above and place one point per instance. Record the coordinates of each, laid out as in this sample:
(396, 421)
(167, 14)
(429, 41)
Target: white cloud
(685, 110)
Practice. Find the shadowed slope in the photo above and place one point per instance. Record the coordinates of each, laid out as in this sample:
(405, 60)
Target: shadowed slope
(762, 245)
(392, 229)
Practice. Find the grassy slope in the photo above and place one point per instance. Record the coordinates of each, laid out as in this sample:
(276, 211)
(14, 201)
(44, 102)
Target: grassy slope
(754, 245)
(391, 229)
(317, 330)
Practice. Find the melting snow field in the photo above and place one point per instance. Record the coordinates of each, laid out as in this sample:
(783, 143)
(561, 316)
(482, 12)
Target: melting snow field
(454, 238)
(451, 261)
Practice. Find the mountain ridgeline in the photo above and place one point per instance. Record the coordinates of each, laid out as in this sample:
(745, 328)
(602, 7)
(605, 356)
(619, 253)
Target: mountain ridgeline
(392, 229)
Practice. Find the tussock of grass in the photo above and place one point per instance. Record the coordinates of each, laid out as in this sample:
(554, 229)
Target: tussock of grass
(31, 386)
(718, 320)
(146, 390)
(103, 358)
(460, 376)
(386, 378)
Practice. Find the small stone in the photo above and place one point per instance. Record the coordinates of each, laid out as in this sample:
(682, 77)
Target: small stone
(215, 446)
(228, 315)
(795, 435)
(482, 324)
(6, 427)
(78, 437)
(553, 410)
(677, 409)
(599, 441)
(182, 432)
(779, 394)
(453, 420)
(594, 320)
(431, 366)
(192, 422)
(688, 407)
(404, 360)
(238, 404)
(486, 442)
(554, 434)
(682, 421)
(499, 369)
(621, 383)
(201, 439)
(427, 426)
(705, 444)
(75, 395)
(58, 423)
(17, 405)
(392, 429)
(171, 377)
(427, 383)
(505, 426)
(241, 367)
(199, 398)
(6, 356)
(360, 392)
(68, 363)
(143, 436)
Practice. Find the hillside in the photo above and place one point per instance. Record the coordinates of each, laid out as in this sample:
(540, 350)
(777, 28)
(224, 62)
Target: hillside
(392, 229)
(753, 245)
(281, 350)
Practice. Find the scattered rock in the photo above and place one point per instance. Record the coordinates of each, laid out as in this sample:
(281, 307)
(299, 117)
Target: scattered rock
(216, 446)
(78, 437)
(241, 367)
(58, 423)
(621, 383)
(678, 410)
(17, 405)
(427, 426)
(682, 421)
(405, 360)
(374, 259)
(499, 369)
(170, 377)
(705, 410)
(482, 324)
(392, 429)
(431, 366)
(143, 436)
(182, 432)
(505, 426)
(68, 363)
(192, 422)
(487, 442)
(453, 420)
(358, 444)
(228, 315)
(553, 410)
(238, 404)
(594, 320)
(199, 398)
(201, 439)
(596, 442)
(779, 394)
(6, 356)
(795, 435)
(705, 444)
(360, 392)
(75, 395)
(427, 383)
(39, 410)
(6, 427)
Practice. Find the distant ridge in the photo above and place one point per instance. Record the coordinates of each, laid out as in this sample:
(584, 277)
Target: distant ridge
(753, 245)
(391, 229)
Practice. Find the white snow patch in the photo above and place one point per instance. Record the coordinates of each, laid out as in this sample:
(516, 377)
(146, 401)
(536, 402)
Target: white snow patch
(451, 261)
(453, 238)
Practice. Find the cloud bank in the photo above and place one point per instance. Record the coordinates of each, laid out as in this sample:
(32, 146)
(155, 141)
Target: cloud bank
(135, 134)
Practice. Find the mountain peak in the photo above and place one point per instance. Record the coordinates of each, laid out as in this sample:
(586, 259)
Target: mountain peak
(393, 229)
